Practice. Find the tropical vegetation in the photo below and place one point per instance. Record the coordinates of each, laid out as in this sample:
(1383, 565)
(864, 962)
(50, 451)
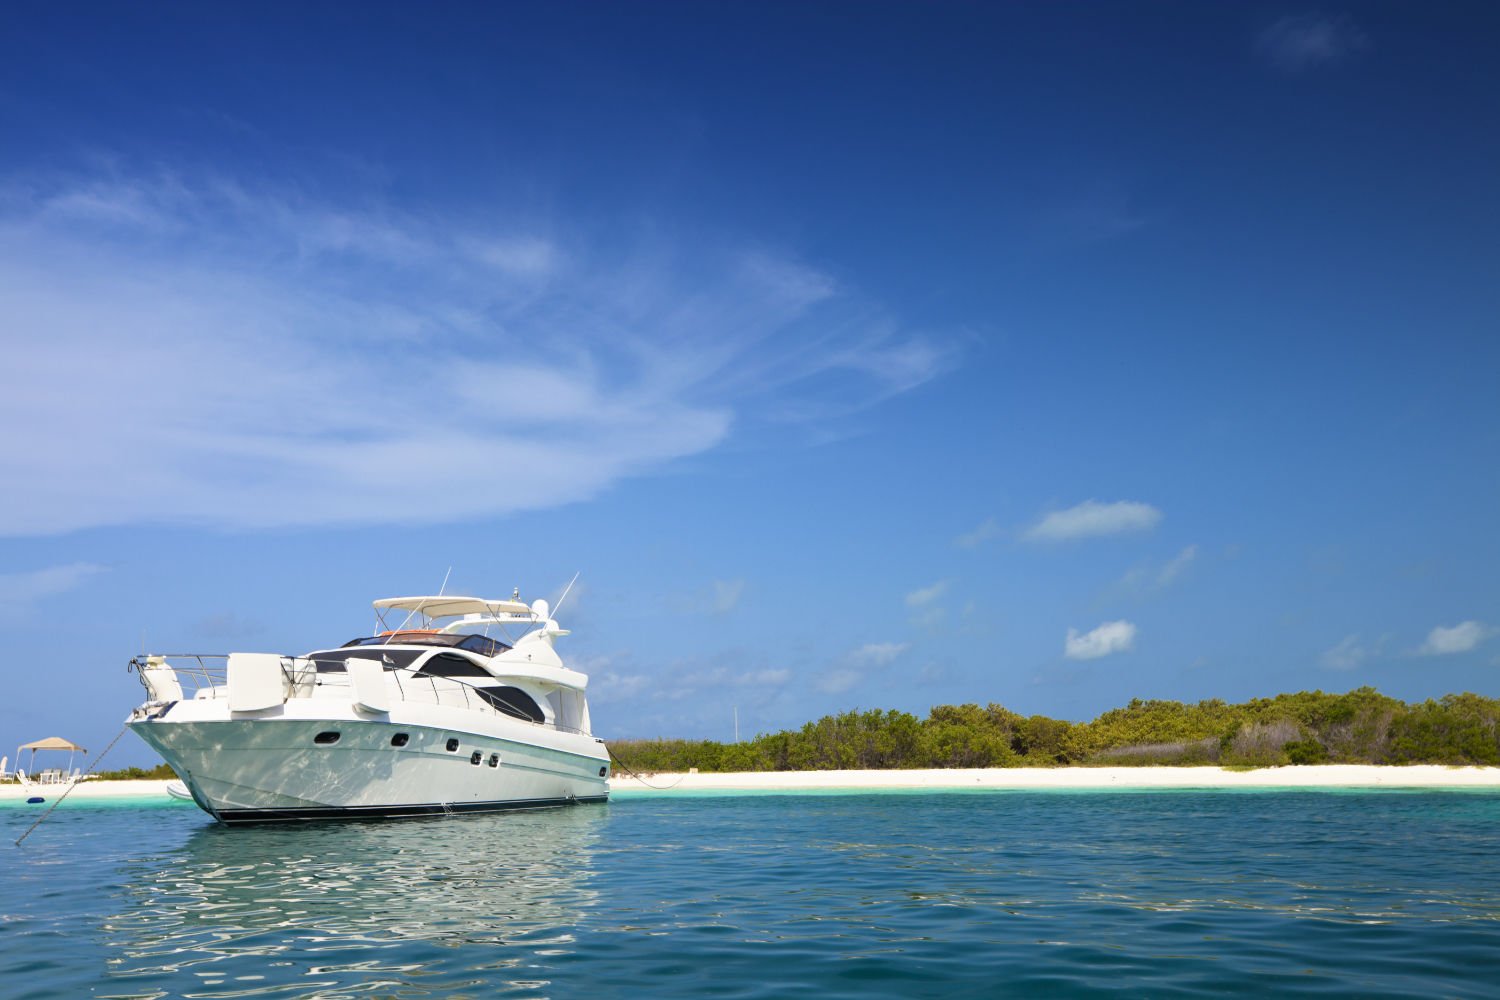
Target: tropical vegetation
(1361, 726)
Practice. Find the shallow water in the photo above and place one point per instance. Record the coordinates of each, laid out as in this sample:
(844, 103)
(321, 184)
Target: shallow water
(915, 894)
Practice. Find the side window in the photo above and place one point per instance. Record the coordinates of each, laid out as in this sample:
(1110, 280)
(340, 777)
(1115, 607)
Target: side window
(513, 702)
(449, 665)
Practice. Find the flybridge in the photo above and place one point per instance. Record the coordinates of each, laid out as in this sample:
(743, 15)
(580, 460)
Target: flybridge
(465, 612)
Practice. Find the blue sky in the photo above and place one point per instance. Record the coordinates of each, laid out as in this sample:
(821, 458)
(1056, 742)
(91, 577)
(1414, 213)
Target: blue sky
(878, 355)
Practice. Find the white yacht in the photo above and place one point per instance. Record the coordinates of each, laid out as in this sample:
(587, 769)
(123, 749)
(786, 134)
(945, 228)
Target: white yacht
(436, 715)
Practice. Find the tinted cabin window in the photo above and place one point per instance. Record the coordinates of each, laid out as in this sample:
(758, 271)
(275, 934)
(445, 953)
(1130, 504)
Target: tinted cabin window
(328, 737)
(513, 702)
(448, 665)
(399, 740)
(482, 645)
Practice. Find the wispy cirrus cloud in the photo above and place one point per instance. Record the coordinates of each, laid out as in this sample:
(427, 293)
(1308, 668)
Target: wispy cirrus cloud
(186, 348)
(1347, 654)
(989, 528)
(1093, 519)
(1107, 639)
(39, 584)
(858, 664)
(1303, 42)
(926, 595)
(1147, 579)
(926, 612)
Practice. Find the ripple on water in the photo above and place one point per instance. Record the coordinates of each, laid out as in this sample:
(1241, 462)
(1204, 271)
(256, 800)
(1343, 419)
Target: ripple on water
(1006, 894)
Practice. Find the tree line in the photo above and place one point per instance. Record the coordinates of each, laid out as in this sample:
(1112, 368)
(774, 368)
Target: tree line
(1362, 726)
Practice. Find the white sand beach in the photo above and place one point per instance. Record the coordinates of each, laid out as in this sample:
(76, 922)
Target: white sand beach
(87, 790)
(1319, 776)
(1313, 776)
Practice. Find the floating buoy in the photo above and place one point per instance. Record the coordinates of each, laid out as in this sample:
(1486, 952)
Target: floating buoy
(34, 800)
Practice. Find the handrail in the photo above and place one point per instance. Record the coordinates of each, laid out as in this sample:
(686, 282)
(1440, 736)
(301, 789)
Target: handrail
(212, 678)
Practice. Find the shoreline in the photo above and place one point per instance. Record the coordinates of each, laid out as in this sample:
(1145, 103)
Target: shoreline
(1001, 778)
(144, 789)
(1299, 776)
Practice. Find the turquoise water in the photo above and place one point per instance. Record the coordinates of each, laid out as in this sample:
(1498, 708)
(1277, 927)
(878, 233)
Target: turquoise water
(947, 894)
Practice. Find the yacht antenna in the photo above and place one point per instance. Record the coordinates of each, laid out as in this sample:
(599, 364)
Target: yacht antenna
(564, 597)
(413, 611)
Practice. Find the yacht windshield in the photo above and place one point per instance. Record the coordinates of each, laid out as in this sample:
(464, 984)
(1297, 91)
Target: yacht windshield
(483, 645)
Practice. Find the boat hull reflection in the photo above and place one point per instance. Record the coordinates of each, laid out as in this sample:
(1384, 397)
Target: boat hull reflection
(356, 897)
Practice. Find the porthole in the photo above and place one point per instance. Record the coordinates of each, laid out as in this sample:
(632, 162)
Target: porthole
(494, 760)
(453, 746)
(326, 738)
(603, 771)
(399, 740)
(475, 757)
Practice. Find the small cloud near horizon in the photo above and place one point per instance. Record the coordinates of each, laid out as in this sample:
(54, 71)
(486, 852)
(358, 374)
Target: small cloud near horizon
(1107, 639)
(1093, 519)
(1459, 638)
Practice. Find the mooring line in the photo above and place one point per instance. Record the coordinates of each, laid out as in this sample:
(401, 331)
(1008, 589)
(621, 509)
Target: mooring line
(637, 777)
(76, 782)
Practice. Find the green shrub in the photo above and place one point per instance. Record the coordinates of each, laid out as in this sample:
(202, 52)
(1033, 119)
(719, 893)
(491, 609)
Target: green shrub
(1309, 727)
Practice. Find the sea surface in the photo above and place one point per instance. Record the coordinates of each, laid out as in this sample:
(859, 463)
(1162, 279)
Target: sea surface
(987, 893)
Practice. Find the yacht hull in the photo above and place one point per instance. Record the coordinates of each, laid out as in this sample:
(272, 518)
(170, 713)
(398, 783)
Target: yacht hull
(273, 767)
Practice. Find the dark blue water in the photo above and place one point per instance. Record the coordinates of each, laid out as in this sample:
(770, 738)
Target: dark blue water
(951, 894)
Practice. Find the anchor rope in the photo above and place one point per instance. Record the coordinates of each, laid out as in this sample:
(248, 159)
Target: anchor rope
(626, 768)
(72, 786)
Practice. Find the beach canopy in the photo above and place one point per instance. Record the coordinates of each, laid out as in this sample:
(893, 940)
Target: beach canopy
(51, 743)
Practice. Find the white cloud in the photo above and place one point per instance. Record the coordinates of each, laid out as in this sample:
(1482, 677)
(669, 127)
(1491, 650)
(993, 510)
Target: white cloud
(190, 350)
(1108, 638)
(1347, 655)
(926, 595)
(990, 528)
(1303, 42)
(1459, 638)
(20, 588)
(1092, 518)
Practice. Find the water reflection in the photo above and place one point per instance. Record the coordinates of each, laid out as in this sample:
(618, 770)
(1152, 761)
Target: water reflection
(373, 906)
